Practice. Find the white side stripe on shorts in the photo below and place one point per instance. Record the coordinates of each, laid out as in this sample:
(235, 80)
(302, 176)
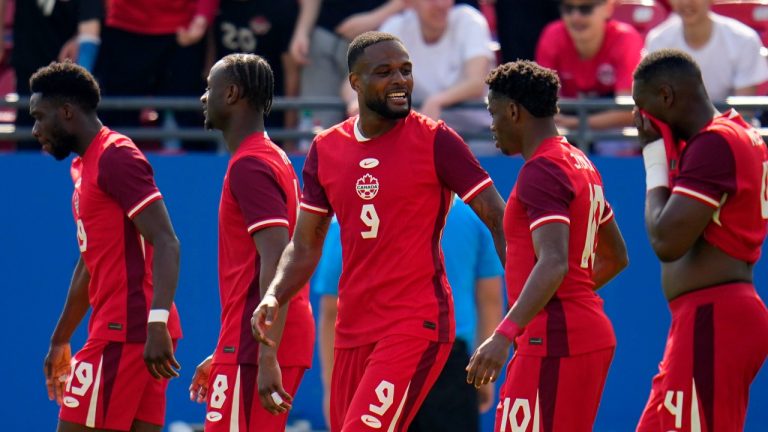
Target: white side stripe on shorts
(399, 409)
(234, 416)
(90, 419)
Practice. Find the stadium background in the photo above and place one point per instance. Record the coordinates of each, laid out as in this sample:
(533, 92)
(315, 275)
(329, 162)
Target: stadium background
(39, 251)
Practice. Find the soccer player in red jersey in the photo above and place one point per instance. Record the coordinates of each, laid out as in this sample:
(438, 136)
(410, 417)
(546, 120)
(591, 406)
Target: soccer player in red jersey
(257, 215)
(562, 245)
(389, 175)
(127, 271)
(706, 208)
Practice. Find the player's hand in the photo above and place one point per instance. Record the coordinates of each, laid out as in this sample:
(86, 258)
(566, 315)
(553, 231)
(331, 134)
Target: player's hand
(192, 33)
(263, 317)
(485, 398)
(56, 368)
(158, 352)
(485, 365)
(198, 390)
(272, 395)
(646, 131)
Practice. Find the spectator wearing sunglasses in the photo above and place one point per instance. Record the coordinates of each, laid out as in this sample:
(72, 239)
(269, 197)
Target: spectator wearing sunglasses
(594, 56)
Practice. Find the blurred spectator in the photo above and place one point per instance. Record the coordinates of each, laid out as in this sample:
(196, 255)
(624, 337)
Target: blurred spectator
(520, 25)
(594, 56)
(727, 51)
(319, 43)
(262, 27)
(474, 273)
(47, 31)
(154, 48)
(450, 47)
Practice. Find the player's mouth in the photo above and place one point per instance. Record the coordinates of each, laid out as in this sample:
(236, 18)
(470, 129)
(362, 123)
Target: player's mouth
(399, 97)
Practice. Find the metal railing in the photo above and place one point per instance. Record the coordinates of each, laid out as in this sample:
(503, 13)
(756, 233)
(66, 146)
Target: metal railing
(582, 136)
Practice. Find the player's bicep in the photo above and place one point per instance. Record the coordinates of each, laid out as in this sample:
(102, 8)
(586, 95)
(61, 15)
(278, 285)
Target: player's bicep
(271, 241)
(154, 224)
(550, 243)
(311, 229)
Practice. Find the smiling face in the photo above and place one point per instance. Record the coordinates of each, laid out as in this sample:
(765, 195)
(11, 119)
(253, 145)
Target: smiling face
(692, 12)
(49, 128)
(383, 76)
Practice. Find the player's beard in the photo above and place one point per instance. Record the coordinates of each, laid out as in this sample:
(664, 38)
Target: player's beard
(62, 143)
(380, 107)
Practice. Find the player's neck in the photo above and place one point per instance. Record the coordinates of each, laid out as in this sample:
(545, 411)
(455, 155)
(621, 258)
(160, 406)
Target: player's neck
(241, 128)
(372, 125)
(86, 134)
(698, 34)
(698, 116)
(539, 130)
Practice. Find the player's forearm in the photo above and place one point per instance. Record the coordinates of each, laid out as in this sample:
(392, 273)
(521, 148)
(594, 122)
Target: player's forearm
(542, 283)
(294, 270)
(165, 271)
(606, 269)
(76, 305)
(269, 258)
(489, 306)
(275, 334)
(660, 231)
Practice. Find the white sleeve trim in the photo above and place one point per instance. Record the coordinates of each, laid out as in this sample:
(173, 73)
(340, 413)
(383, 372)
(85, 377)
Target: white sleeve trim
(475, 189)
(698, 195)
(535, 224)
(607, 217)
(260, 224)
(144, 202)
(313, 208)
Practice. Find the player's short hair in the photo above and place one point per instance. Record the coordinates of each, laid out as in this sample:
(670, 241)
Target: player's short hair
(668, 63)
(253, 74)
(533, 86)
(360, 43)
(67, 82)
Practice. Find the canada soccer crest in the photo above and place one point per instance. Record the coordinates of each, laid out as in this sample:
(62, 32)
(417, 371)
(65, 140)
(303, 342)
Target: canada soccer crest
(367, 187)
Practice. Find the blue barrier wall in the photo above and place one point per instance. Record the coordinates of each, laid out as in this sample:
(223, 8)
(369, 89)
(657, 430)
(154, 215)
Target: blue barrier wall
(38, 251)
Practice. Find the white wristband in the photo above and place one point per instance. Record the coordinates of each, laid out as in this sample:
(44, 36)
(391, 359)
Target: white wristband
(656, 166)
(158, 315)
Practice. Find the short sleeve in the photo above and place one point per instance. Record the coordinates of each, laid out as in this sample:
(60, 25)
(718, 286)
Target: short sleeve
(457, 168)
(546, 193)
(707, 170)
(488, 264)
(326, 278)
(258, 194)
(313, 197)
(126, 176)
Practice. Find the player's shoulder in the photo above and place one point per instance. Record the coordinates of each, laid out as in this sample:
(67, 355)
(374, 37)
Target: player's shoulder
(343, 131)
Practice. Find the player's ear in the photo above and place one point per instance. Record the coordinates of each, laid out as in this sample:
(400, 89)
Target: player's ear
(513, 108)
(354, 81)
(66, 110)
(667, 94)
(232, 94)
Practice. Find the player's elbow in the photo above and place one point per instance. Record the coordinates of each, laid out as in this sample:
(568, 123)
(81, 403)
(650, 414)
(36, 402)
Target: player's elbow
(666, 251)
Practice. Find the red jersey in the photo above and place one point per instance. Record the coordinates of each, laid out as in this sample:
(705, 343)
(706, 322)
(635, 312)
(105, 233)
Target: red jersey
(113, 183)
(558, 184)
(391, 195)
(725, 166)
(260, 190)
(156, 17)
(606, 74)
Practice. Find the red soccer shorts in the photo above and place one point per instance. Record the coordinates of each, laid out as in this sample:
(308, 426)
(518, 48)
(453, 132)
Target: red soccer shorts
(233, 399)
(109, 387)
(717, 342)
(380, 386)
(552, 393)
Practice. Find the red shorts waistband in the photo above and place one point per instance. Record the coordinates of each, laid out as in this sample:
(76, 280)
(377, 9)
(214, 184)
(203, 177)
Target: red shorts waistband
(713, 294)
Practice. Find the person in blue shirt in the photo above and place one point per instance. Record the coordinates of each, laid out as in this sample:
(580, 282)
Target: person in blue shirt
(475, 275)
